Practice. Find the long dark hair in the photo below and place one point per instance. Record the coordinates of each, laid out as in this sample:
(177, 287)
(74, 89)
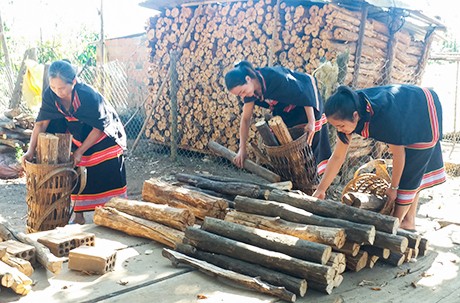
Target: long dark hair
(237, 76)
(63, 70)
(341, 106)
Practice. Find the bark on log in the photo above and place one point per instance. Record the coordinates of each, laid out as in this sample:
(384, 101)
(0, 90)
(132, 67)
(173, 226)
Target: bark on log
(338, 210)
(229, 188)
(413, 238)
(322, 287)
(200, 204)
(320, 234)
(289, 245)
(266, 133)
(371, 260)
(243, 280)
(358, 262)
(383, 253)
(14, 279)
(349, 249)
(283, 185)
(296, 285)
(396, 259)
(364, 201)
(394, 243)
(355, 232)
(248, 164)
(423, 247)
(250, 253)
(134, 226)
(177, 218)
(64, 147)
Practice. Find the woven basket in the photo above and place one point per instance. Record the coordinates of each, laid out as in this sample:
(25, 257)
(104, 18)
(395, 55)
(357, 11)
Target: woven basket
(49, 187)
(295, 161)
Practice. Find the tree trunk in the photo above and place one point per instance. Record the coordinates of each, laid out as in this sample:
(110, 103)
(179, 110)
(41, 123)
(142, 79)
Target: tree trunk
(177, 218)
(394, 243)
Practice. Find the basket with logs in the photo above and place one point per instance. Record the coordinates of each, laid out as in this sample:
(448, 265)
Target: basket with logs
(50, 182)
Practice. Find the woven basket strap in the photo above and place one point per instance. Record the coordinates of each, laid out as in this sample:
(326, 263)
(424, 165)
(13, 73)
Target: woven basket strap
(50, 209)
(53, 173)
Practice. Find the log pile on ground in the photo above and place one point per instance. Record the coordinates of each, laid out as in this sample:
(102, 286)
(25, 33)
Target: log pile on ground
(211, 37)
(288, 239)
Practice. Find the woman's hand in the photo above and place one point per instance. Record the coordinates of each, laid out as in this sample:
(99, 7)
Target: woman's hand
(310, 129)
(77, 157)
(320, 194)
(240, 157)
(29, 156)
(392, 194)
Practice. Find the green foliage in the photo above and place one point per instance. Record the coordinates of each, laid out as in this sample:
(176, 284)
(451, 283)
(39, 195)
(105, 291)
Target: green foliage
(48, 52)
(19, 151)
(88, 55)
(450, 45)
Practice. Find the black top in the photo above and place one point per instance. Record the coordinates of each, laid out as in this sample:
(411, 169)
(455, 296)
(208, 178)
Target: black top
(88, 109)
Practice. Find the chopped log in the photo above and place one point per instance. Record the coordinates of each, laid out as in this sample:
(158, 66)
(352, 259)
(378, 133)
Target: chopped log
(364, 201)
(423, 247)
(358, 262)
(338, 262)
(413, 238)
(371, 260)
(289, 245)
(229, 188)
(299, 268)
(322, 287)
(177, 218)
(338, 210)
(355, 232)
(293, 284)
(200, 204)
(243, 280)
(394, 243)
(349, 249)
(283, 185)
(13, 143)
(326, 235)
(280, 130)
(22, 265)
(47, 149)
(396, 259)
(266, 133)
(134, 226)
(14, 279)
(248, 164)
(64, 147)
(408, 254)
(383, 253)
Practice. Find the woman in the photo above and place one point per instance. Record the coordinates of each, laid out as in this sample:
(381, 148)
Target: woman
(98, 136)
(406, 117)
(289, 94)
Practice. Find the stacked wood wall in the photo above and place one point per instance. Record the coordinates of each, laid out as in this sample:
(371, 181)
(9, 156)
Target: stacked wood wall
(298, 37)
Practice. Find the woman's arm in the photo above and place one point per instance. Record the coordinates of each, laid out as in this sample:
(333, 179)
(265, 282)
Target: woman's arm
(310, 127)
(39, 127)
(93, 136)
(399, 160)
(332, 169)
(245, 123)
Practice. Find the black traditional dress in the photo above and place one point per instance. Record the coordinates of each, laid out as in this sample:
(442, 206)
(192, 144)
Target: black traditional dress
(411, 116)
(106, 175)
(286, 93)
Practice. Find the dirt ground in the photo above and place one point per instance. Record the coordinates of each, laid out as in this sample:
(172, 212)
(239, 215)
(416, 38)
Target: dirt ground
(438, 204)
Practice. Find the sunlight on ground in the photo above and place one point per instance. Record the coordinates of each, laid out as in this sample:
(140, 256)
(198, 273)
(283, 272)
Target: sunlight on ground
(444, 267)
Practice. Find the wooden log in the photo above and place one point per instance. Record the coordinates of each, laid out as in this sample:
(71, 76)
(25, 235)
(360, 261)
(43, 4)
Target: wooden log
(423, 247)
(337, 261)
(338, 210)
(64, 147)
(47, 149)
(326, 235)
(360, 233)
(296, 285)
(134, 226)
(364, 201)
(413, 238)
(371, 260)
(243, 280)
(289, 245)
(283, 185)
(22, 265)
(266, 133)
(322, 287)
(199, 203)
(349, 249)
(14, 279)
(383, 253)
(229, 188)
(250, 253)
(394, 243)
(358, 262)
(248, 164)
(396, 259)
(280, 130)
(177, 218)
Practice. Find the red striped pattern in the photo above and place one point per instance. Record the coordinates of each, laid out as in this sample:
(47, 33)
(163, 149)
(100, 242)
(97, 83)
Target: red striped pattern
(101, 156)
(322, 166)
(90, 202)
(405, 197)
(78, 143)
(433, 123)
(319, 123)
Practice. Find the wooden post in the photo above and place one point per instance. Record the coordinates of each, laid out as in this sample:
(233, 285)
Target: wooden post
(359, 47)
(9, 70)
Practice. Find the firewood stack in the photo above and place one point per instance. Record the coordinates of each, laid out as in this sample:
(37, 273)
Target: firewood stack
(337, 237)
(293, 35)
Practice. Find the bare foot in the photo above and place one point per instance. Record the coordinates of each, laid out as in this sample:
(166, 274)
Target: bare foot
(407, 225)
(78, 218)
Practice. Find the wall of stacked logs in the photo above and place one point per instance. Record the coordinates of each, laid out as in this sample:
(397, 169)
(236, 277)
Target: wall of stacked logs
(210, 38)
